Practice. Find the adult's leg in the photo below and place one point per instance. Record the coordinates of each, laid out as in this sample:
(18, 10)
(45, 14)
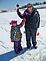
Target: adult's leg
(34, 37)
(28, 38)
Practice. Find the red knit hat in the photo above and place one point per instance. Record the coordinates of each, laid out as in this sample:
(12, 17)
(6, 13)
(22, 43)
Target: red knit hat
(13, 22)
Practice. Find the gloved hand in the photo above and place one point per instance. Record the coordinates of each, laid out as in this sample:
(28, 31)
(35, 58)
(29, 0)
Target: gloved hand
(38, 33)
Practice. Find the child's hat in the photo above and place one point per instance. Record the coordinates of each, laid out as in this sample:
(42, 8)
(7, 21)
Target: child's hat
(13, 22)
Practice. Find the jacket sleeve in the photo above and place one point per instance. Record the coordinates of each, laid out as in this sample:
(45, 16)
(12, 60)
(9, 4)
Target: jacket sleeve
(38, 22)
(21, 24)
(37, 19)
(20, 15)
(11, 33)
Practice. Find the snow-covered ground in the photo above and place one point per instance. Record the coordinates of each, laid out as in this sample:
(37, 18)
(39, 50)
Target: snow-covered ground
(6, 46)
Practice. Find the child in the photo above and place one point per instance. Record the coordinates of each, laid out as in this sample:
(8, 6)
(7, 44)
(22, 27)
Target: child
(16, 35)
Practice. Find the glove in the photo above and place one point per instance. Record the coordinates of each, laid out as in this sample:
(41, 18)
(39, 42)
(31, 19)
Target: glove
(38, 34)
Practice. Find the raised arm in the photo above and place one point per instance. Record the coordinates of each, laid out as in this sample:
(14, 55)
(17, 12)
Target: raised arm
(19, 14)
(22, 23)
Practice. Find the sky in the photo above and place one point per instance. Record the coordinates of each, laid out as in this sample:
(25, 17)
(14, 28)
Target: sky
(10, 4)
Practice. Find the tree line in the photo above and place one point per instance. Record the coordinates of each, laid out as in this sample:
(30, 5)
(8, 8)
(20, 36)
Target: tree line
(38, 3)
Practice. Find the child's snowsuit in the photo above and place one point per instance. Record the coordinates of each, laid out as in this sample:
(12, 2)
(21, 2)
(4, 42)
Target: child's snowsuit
(16, 36)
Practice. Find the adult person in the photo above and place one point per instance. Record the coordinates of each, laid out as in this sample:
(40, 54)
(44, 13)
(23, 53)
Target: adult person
(31, 25)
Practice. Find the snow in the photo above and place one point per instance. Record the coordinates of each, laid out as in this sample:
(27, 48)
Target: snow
(40, 6)
(6, 46)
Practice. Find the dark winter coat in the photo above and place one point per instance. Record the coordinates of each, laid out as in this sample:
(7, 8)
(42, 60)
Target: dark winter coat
(32, 18)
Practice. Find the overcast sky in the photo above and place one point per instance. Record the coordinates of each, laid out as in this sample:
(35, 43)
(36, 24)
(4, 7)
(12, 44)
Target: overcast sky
(8, 4)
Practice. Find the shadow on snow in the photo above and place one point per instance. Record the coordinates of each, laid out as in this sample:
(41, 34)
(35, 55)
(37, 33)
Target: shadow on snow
(10, 55)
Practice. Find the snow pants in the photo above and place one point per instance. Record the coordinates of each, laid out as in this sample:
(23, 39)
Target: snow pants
(17, 46)
(31, 34)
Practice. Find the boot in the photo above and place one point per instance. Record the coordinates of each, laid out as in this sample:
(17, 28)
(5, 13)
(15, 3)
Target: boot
(28, 44)
(21, 48)
(35, 47)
